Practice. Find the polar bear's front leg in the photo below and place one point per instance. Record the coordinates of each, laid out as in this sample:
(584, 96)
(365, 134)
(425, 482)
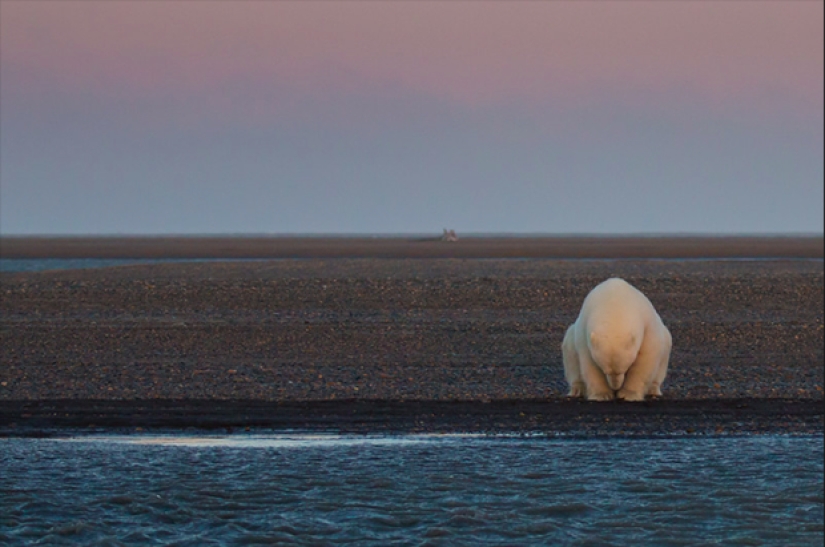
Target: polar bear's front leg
(648, 372)
(636, 382)
(594, 379)
(642, 373)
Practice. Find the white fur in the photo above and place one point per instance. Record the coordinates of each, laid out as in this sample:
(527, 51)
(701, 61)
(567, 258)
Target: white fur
(618, 346)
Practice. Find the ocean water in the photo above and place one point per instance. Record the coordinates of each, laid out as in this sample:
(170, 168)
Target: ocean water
(411, 490)
(45, 264)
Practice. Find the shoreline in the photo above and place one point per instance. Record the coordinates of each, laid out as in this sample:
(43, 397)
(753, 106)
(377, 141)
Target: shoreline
(566, 417)
(470, 247)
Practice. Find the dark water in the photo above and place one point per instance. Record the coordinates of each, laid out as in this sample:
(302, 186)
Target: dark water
(247, 490)
(45, 264)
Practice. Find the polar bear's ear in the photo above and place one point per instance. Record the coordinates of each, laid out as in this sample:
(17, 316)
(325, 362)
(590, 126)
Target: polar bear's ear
(631, 341)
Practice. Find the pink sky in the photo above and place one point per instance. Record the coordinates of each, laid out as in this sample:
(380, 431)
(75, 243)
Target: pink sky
(389, 116)
(477, 54)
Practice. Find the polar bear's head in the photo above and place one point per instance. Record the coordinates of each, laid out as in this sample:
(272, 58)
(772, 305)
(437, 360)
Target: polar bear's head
(614, 353)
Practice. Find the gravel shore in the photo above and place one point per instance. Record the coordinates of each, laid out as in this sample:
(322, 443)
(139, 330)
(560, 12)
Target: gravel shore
(397, 330)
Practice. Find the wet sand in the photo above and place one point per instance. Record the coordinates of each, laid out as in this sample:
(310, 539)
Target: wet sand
(400, 345)
(553, 417)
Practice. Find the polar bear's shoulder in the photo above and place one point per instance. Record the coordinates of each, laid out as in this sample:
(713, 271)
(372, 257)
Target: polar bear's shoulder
(614, 284)
(614, 289)
(616, 300)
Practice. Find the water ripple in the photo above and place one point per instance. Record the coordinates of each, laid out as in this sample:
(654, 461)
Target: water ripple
(246, 490)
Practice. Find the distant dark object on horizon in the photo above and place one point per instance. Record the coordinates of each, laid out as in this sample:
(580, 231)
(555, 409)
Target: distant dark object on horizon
(449, 235)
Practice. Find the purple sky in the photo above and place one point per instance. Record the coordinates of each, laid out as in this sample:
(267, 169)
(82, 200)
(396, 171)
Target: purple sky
(407, 117)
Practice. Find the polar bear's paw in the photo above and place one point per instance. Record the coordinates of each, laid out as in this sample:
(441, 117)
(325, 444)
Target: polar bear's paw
(576, 390)
(601, 396)
(627, 395)
(654, 391)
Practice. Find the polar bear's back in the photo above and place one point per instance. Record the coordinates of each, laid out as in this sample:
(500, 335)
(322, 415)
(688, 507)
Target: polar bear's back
(615, 301)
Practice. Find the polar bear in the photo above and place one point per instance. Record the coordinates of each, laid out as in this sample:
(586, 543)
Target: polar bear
(617, 344)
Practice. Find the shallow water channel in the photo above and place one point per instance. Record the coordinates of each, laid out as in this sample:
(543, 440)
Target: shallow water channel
(411, 490)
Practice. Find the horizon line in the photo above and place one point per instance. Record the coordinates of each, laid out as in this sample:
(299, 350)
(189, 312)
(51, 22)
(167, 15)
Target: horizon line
(395, 235)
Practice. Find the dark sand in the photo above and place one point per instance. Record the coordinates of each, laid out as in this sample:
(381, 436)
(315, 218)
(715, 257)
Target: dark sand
(400, 345)
(414, 247)
(554, 416)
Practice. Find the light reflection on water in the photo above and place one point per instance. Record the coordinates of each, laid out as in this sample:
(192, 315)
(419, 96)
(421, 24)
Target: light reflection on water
(411, 490)
(274, 441)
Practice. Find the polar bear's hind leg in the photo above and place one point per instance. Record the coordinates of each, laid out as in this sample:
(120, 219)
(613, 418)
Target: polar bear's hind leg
(655, 389)
(577, 390)
(572, 369)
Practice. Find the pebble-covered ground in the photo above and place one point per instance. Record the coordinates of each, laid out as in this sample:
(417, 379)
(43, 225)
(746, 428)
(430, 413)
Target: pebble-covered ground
(443, 329)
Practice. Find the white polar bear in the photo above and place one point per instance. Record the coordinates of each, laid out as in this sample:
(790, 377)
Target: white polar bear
(617, 344)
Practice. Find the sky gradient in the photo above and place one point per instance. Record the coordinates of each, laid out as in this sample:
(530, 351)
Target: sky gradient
(407, 117)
